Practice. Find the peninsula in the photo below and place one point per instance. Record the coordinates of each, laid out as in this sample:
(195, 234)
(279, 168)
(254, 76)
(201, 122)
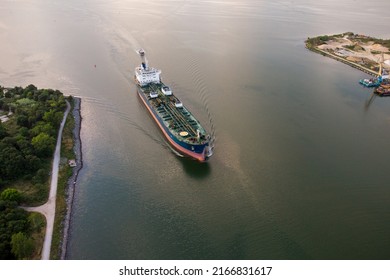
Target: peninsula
(363, 52)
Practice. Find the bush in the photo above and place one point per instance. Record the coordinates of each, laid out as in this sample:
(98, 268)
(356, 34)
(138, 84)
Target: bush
(43, 144)
(22, 246)
(37, 221)
(40, 177)
(11, 195)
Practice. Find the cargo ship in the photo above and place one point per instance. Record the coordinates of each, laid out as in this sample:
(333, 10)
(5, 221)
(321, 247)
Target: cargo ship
(182, 130)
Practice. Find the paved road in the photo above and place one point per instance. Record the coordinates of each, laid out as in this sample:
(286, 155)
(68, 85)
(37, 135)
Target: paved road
(49, 208)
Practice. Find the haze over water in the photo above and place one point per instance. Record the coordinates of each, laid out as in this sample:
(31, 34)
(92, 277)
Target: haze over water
(301, 165)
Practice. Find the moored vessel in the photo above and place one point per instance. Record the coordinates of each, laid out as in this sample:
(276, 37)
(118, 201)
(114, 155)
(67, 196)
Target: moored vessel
(182, 130)
(384, 88)
(370, 82)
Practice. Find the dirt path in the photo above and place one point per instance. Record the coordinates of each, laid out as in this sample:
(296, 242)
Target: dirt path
(49, 208)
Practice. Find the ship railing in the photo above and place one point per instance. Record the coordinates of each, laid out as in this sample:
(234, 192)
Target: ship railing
(180, 118)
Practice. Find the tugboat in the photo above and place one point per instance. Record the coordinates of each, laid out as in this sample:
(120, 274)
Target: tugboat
(376, 82)
(371, 82)
(182, 130)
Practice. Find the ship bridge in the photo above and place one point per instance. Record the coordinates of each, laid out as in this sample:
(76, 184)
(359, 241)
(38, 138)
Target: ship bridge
(144, 74)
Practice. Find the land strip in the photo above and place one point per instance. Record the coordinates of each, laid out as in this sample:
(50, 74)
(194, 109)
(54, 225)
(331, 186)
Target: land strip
(48, 209)
(28, 140)
(359, 51)
(73, 179)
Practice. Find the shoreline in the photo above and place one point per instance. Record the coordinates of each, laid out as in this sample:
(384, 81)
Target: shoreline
(342, 60)
(71, 185)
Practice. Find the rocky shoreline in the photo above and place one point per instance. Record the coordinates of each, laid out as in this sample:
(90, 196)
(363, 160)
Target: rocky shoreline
(73, 179)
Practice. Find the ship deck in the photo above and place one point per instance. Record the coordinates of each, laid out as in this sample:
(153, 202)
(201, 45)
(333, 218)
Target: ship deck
(179, 120)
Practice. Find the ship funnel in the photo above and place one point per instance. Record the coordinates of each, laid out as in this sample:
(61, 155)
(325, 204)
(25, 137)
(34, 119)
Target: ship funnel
(144, 62)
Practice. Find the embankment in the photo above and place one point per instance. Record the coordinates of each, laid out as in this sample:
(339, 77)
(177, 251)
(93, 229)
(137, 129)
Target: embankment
(73, 179)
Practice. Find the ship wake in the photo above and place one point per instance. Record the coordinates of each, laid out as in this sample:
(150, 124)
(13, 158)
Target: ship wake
(203, 93)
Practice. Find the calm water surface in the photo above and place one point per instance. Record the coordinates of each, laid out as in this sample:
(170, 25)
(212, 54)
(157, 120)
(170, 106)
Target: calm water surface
(300, 169)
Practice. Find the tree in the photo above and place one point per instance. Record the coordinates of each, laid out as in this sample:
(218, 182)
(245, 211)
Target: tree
(41, 177)
(22, 246)
(8, 94)
(12, 220)
(10, 194)
(43, 95)
(43, 144)
(24, 131)
(23, 144)
(12, 162)
(37, 221)
(3, 131)
(32, 162)
(42, 127)
(53, 117)
(22, 120)
(30, 88)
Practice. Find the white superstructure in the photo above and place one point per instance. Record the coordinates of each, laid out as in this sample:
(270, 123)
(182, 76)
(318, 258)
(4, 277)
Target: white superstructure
(166, 90)
(144, 74)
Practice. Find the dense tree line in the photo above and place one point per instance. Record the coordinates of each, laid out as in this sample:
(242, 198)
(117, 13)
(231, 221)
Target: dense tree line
(27, 142)
(29, 137)
(15, 227)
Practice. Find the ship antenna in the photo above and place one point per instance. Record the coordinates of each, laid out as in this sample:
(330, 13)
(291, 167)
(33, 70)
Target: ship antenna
(144, 61)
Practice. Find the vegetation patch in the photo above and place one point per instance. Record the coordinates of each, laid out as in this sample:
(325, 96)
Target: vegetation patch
(21, 233)
(28, 130)
(64, 173)
(27, 139)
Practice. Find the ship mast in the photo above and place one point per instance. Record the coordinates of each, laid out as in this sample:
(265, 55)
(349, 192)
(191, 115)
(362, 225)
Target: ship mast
(144, 61)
